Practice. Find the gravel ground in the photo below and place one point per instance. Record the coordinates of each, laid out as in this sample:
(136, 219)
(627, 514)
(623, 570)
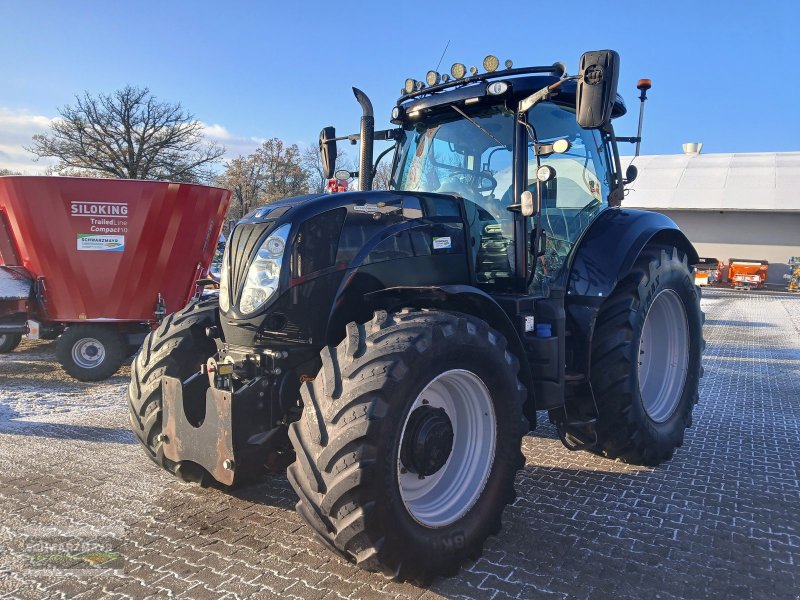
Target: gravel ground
(86, 515)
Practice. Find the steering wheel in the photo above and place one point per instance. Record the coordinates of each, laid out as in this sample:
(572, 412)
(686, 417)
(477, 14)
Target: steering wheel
(482, 176)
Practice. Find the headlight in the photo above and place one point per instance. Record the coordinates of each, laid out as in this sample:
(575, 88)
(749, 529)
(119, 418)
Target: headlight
(224, 294)
(264, 272)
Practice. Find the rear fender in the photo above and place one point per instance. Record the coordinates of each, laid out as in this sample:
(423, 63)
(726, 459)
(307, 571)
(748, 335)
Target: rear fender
(611, 245)
(605, 255)
(465, 299)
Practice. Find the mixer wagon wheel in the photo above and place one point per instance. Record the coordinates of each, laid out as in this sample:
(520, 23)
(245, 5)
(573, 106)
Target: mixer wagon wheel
(91, 352)
(9, 341)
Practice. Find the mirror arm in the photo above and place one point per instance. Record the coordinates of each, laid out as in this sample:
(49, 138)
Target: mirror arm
(386, 135)
(543, 94)
(352, 138)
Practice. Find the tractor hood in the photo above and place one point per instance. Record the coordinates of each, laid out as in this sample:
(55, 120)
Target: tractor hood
(299, 251)
(308, 205)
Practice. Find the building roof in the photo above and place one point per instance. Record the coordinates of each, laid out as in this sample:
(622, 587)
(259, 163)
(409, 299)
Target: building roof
(756, 181)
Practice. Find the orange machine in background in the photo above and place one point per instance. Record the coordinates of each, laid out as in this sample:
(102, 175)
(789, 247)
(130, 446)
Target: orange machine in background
(793, 277)
(745, 273)
(708, 271)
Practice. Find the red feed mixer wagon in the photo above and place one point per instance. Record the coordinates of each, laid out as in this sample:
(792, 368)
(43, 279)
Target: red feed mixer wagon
(97, 263)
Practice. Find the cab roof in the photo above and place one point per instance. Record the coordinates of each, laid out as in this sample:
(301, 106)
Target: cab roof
(519, 87)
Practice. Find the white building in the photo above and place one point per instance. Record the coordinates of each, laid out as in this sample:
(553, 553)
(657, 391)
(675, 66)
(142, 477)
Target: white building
(728, 205)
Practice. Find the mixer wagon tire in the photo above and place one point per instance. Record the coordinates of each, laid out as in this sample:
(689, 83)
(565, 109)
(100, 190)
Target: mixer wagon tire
(177, 348)
(91, 352)
(409, 442)
(646, 359)
(9, 341)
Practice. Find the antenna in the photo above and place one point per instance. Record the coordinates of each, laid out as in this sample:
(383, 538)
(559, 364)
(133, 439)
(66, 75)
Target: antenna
(446, 46)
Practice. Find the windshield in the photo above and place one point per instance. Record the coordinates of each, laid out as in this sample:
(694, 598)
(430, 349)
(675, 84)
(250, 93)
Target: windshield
(458, 153)
(463, 152)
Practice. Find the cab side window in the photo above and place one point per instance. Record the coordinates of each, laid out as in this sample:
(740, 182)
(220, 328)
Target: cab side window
(580, 190)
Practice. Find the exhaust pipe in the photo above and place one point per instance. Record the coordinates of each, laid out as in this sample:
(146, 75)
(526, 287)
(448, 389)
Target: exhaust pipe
(367, 141)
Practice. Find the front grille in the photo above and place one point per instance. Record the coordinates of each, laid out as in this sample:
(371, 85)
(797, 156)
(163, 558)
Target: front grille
(242, 246)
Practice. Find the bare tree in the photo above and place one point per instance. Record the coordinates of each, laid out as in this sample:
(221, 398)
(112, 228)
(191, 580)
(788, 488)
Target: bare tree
(128, 134)
(383, 176)
(244, 177)
(312, 163)
(284, 175)
(4, 172)
(273, 172)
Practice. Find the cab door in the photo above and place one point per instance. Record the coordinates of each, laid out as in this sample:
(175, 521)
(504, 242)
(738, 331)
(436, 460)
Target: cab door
(574, 198)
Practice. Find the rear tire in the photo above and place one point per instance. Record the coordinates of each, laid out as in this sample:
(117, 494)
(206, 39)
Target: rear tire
(646, 359)
(177, 348)
(9, 341)
(90, 352)
(353, 477)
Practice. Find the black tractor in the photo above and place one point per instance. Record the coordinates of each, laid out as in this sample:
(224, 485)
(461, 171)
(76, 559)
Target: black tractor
(392, 348)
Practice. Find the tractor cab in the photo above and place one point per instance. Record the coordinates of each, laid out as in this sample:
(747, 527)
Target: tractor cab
(473, 147)
(488, 138)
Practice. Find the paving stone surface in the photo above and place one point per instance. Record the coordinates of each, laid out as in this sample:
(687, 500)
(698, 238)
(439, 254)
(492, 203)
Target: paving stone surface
(721, 520)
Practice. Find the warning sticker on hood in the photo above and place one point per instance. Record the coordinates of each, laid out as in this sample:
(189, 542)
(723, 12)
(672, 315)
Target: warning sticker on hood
(442, 243)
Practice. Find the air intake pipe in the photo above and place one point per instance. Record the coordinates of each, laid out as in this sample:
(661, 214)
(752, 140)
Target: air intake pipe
(367, 141)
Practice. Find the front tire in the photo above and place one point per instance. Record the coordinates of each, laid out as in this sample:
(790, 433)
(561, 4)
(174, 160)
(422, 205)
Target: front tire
(646, 359)
(409, 442)
(90, 352)
(177, 348)
(9, 342)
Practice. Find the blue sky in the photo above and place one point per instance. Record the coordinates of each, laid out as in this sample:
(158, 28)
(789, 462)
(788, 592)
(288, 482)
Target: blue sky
(724, 73)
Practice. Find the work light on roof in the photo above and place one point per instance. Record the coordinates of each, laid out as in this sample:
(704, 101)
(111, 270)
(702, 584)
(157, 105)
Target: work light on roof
(490, 63)
(458, 70)
(509, 64)
(473, 70)
(497, 88)
(432, 77)
(410, 85)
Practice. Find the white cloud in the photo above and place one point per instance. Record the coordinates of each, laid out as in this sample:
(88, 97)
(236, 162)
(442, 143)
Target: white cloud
(234, 145)
(17, 127)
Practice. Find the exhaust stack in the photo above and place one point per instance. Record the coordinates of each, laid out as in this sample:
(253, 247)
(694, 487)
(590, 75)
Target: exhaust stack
(367, 141)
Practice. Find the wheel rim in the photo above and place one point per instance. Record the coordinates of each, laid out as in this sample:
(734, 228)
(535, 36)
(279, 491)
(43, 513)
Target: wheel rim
(663, 355)
(445, 496)
(88, 353)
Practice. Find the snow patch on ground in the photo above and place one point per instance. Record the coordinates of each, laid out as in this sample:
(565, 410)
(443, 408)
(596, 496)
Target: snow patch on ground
(34, 388)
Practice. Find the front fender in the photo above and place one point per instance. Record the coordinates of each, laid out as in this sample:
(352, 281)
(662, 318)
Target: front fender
(611, 245)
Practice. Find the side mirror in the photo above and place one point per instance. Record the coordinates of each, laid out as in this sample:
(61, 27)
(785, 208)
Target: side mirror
(631, 173)
(597, 88)
(327, 151)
